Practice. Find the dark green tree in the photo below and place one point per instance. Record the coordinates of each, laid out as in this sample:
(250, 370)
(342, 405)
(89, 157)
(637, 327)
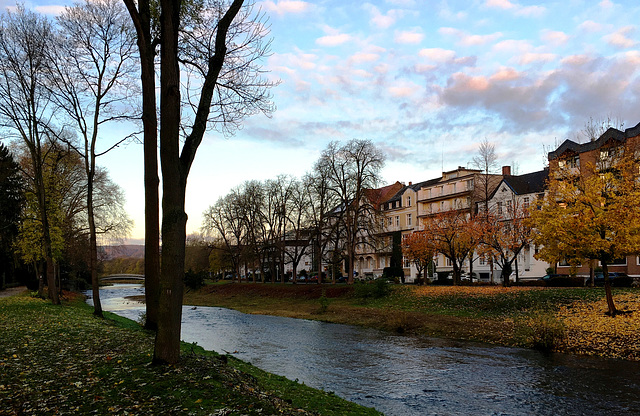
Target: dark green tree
(11, 203)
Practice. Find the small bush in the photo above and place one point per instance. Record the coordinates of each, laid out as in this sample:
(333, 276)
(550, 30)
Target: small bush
(376, 290)
(194, 280)
(324, 302)
(542, 332)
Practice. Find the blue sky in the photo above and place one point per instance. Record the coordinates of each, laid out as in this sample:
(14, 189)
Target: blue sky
(426, 81)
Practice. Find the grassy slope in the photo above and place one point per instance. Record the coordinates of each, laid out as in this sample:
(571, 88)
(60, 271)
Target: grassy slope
(62, 360)
(509, 316)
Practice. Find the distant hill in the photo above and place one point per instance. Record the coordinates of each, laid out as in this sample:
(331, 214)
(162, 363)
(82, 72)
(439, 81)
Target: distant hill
(114, 252)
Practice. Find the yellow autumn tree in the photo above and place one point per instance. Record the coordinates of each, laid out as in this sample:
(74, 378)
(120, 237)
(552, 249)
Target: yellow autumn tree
(594, 215)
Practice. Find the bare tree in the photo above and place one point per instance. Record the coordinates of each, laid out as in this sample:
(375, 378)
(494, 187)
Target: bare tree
(353, 171)
(322, 200)
(594, 128)
(91, 69)
(223, 47)
(297, 226)
(24, 106)
(487, 162)
(225, 221)
(147, 43)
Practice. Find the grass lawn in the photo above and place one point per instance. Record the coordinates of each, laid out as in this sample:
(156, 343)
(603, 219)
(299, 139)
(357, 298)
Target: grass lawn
(558, 319)
(63, 360)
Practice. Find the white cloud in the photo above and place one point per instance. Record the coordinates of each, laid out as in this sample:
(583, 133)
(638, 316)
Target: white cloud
(409, 36)
(438, 54)
(532, 57)
(380, 20)
(286, 6)
(519, 10)
(333, 40)
(619, 39)
(470, 40)
(362, 57)
(50, 10)
(500, 4)
(531, 11)
(590, 26)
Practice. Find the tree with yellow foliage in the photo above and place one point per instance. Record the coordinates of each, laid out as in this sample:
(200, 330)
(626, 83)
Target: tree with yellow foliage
(594, 215)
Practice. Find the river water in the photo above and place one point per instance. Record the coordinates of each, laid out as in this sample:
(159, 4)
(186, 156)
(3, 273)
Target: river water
(401, 375)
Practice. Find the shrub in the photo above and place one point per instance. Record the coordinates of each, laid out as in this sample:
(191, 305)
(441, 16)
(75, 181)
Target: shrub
(543, 332)
(194, 280)
(378, 289)
(324, 302)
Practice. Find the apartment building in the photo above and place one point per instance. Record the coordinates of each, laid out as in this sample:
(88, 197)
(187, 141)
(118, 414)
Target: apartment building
(580, 158)
(513, 194)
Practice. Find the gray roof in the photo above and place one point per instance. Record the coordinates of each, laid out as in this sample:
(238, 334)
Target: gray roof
(529, 183)
(610, 134)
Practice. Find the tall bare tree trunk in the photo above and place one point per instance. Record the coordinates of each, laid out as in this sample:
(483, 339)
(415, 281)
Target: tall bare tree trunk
(142, 23)
(174, 218)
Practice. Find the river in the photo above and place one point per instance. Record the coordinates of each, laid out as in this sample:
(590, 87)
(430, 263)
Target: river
(401, 375)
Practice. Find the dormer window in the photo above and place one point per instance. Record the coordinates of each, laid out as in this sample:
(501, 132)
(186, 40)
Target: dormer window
(409, 200)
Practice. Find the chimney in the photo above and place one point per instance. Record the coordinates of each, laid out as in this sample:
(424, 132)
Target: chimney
(506, 170)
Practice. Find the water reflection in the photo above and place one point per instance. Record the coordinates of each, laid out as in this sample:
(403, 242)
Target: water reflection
(410, 376)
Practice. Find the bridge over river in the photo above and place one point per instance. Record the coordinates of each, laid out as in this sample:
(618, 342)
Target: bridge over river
(122, 277)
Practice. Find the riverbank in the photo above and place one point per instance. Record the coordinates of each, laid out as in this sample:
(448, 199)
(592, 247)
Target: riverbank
(63, 360)
(569, 320)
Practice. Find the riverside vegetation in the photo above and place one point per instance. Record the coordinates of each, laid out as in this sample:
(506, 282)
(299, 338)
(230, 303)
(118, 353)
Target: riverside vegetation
(572, 320)
(63, 360)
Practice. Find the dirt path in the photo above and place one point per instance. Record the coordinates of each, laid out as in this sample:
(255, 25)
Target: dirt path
(12, 291)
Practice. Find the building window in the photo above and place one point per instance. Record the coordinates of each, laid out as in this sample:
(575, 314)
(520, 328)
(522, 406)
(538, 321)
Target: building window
(617, 262)
(525, 204)
(482, 261)
(499, 204)
(572, 162)
(389, 221)
(469, 184)
(409, 201)
(409, 224)
(407, 262)
(397, 221)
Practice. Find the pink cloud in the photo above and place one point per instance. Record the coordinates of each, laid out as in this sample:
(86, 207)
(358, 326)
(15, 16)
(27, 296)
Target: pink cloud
(554, 37)
(619, 39)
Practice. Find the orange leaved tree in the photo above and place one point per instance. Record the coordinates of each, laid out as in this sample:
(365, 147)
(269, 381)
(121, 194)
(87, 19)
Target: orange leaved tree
(454, 235)
(418, 248)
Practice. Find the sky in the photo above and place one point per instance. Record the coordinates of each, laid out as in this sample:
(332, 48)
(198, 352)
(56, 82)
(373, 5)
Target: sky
(425, 81)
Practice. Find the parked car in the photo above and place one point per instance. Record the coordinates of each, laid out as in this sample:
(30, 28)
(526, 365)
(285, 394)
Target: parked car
(563, 280)
(342, 279)
(617, 279)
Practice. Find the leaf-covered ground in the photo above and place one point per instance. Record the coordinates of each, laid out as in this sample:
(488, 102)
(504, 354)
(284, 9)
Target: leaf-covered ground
(589, 330)
(62, 360)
